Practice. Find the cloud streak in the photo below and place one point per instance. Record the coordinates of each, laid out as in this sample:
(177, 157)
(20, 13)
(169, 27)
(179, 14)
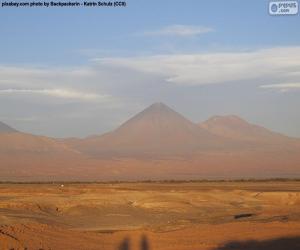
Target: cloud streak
(59, 93)
(95, 81)
(282, 87)
(215, 68)
(180, 31)
(106, 91)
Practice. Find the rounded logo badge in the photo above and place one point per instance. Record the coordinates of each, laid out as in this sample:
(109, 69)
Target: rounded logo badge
(283, 7)
(274, 7)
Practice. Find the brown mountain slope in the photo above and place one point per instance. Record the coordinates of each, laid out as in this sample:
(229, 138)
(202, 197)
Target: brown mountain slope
(21, 142)
(157, 130)
(227, 147)
(157, 143)
(234, 127)
(13, 142)
(28, 157)
(4, 128)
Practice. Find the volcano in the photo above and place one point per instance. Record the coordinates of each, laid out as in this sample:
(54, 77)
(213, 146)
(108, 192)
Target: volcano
(234, 127)
(157, 143)
(157, 130)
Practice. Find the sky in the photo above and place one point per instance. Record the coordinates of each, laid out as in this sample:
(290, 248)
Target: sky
(75, 72)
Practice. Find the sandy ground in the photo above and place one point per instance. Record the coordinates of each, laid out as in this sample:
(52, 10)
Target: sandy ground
(157, 216)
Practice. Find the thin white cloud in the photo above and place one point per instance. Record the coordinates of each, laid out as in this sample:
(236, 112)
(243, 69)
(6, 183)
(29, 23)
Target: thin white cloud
(19, 119)
(114, 88)
(30, 77)
(282, 87)
(211, 68)
(100, 81)
(59, 93)
(65, 83)
(179, 30)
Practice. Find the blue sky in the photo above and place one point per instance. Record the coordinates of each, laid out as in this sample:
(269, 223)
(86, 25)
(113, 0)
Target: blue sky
(45, 36)
(93, 68)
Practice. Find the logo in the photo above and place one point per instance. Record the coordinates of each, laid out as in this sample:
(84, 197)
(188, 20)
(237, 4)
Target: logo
(274, 7)
(283, 8)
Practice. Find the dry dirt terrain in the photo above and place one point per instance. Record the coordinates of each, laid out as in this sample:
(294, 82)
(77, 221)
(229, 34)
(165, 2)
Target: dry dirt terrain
(157, 216)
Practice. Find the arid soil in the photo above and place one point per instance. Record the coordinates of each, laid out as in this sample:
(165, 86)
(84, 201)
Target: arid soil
(157, 216)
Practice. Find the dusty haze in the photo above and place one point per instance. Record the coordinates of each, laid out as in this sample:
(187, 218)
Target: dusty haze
(157, 143)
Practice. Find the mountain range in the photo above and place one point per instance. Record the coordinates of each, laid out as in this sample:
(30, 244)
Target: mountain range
(157, 143)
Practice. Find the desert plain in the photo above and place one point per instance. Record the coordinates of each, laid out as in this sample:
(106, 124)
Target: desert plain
(194, 215)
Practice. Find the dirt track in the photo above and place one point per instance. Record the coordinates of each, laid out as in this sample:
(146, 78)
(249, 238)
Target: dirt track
(208, 215)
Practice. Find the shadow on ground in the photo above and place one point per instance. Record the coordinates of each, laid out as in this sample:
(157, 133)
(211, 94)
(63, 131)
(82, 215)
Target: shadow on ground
(144, 244)
(125, 244)
(273, 244)
(292, 243)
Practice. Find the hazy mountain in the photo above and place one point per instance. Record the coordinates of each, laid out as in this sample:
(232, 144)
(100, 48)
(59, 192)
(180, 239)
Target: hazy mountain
(16, 142)
(6, 129)
(157, 143)
(234, 127)
(156, 130)
(30, 157)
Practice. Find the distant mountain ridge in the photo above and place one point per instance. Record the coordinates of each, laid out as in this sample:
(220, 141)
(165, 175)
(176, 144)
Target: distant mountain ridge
(12, 141)
(156, 130)
(232, 126)
(4, 128)
(157, 143)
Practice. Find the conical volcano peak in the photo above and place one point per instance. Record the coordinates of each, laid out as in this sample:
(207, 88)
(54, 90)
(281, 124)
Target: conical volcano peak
(157, 112)
(158, 107)
(157, 130)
